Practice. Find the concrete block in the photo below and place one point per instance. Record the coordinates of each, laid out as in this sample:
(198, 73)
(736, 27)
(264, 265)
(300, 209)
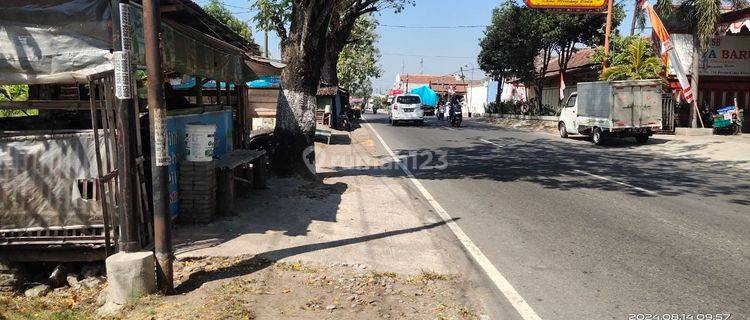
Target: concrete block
(693, 131)
(130, 275)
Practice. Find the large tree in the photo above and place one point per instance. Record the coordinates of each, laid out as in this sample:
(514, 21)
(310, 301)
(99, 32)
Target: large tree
(312, 33)
(358, 61)
(301, 25)
(344, 18)
(518, 44)
(505, 51)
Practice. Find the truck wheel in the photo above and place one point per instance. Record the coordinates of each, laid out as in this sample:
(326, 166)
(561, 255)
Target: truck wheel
(597, 137)
(641, 138)
(563, 130)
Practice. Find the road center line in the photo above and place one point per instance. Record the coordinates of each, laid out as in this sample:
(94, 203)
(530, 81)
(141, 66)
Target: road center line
(490, 142)
(617, 182)
(497, 278)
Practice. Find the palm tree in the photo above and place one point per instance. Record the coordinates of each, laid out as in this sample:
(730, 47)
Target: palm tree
(635, 63)
(704, 15)
(639, 18)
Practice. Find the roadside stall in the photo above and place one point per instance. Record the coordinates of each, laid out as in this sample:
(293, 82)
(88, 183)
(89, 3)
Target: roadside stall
(75, 180)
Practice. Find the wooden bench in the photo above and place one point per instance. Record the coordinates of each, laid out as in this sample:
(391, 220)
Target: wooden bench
(226, 166)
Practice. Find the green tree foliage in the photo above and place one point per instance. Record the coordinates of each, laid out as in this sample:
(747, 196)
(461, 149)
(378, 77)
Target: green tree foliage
(511, 41)
(14, 93)
(358, 62)
(632, 59)
(520, 42)
(703, 16)
(217, 10)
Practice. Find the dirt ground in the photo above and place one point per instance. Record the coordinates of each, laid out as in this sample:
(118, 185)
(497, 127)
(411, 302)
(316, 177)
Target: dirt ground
(255, 288)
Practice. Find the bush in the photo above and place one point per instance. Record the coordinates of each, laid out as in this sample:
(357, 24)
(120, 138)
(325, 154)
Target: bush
(525, 108)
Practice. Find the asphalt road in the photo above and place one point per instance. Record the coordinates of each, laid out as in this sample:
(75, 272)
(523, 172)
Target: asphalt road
(586, 232)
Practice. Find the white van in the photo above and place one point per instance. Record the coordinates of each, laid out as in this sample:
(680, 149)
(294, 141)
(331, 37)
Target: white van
(406, 107)
(630, 108)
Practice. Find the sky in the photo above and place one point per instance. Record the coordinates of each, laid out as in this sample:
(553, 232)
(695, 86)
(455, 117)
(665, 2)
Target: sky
(440, 50)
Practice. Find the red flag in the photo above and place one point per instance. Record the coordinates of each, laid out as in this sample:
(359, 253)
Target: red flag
(667, 48)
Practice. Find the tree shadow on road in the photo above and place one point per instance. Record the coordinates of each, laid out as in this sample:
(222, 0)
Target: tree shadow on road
(251, 264)
(562, 165)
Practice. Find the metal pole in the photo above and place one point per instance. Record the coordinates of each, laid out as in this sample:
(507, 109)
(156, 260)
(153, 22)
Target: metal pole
(607, 33)
(159, 159)
(126, 142)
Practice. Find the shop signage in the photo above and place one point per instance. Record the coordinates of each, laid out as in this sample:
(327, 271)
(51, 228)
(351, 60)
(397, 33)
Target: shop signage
(567, 4)
(725, 56)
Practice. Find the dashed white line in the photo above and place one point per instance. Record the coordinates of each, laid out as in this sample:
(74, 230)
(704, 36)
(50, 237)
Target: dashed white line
(617, 182)
(449, 128)
(490, 142)
(497, 278)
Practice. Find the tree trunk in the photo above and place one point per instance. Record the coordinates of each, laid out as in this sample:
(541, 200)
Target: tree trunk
(302, 51)
(499, 94)
(329, 73)
(636, 11)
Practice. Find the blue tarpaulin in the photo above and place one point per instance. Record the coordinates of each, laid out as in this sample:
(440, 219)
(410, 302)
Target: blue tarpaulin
(265, 82)
(428, 96)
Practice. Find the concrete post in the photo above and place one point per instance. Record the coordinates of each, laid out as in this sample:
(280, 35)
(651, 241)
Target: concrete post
(130, 275)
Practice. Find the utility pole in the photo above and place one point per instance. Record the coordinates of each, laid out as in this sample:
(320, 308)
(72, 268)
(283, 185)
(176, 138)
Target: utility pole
(127, 142)
(157, 113)
(607, 33)
(265, 45)
(421, 65)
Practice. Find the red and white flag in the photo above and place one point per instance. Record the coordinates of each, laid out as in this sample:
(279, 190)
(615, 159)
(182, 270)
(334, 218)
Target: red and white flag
(667, 48)
(562, 87)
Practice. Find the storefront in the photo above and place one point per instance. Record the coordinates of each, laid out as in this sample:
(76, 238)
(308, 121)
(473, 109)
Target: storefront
(724, 69)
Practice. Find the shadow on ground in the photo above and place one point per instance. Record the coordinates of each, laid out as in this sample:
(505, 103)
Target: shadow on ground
(263, 260)
(288, 205)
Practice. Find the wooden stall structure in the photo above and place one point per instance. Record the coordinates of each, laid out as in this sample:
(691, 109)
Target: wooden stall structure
(75, 165)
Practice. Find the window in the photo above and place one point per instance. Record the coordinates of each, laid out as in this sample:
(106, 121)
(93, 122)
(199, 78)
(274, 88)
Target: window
(408, 100)
(571, 101)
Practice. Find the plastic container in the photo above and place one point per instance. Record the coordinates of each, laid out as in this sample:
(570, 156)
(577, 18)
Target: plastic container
(199, 142)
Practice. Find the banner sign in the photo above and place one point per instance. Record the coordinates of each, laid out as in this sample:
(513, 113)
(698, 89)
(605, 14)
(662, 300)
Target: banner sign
(567, 4)
(726, 55)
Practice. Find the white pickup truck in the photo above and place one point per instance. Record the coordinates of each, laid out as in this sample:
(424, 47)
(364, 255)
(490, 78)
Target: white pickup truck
(630, 108)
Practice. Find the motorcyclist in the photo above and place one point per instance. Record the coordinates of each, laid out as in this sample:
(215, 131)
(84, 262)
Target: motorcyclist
(441, 111)
(453, 108)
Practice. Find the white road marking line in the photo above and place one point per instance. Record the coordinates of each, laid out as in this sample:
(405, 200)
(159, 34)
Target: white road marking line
(502, 284)
(449, 128)
(617, 182)
(490, 142)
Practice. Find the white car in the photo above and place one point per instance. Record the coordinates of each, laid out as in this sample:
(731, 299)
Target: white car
(406, 107)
